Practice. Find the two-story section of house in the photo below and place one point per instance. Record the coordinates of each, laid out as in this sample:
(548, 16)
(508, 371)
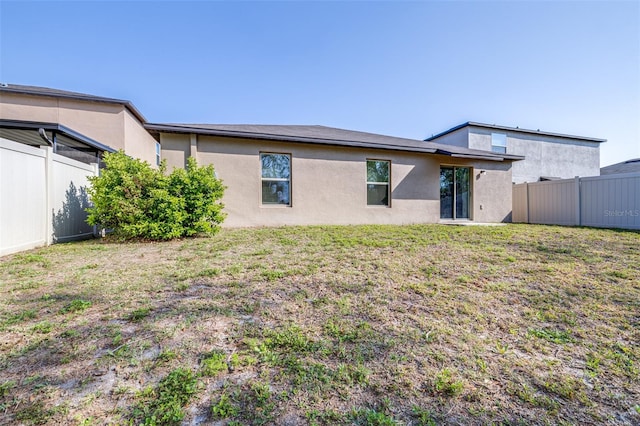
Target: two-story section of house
(548, 156)
(74, 122)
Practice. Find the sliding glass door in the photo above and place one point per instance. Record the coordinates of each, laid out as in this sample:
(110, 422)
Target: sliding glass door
(455, 192)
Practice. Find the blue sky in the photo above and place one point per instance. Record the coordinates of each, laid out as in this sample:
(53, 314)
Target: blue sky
(409, 69)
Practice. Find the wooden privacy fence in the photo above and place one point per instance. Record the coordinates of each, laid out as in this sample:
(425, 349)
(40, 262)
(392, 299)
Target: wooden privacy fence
(611, 201)
(42, 197)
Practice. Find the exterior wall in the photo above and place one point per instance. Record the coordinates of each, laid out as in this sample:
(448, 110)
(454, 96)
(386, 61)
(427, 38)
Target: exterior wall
(138, 142)
(491, 190)
(544, 155)
(459, 138)
(176, 149)
(328, 184)
(32, 108)
(100, 121)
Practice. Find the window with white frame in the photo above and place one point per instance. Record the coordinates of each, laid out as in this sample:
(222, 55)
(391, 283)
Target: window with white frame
(158, 158)
(499, 143)
(378, 179)
(276, 178)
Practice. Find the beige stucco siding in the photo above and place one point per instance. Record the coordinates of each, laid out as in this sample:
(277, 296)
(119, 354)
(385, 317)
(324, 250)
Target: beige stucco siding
(328, 184)
(100, 121)
(31, 108)
(138, 142)
(175, 149)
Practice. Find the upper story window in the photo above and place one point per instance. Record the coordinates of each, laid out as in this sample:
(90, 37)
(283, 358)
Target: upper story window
(378, 179)
(499, 143)
(158, 158)
(276, 178)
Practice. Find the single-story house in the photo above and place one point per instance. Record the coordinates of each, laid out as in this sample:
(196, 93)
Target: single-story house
(547, 155)
(286, 175)
(300, 175)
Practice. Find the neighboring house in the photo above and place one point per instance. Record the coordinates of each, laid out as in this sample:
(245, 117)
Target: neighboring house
(548, 156)
(282, 175)
(113, 123)
(629, 166)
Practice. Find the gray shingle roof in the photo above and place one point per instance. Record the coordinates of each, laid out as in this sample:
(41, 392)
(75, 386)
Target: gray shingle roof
(629, 166)
(326, 136)
(56, 93)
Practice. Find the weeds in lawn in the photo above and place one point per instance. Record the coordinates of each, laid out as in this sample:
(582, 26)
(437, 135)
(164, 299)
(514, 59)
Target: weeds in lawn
(167, 355)
(77, 305)
(43, 327)
(554, 336)
(214, 364)
(530, 396)
(18, 318)
(502, 348)
(165, 404)
(370, 417)
(424, 417)
(445, 384)
(139, 314)
(5, 387)
(224, 408)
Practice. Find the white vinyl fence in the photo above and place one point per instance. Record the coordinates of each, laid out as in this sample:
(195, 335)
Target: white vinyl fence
(42, 197)
(611, 201)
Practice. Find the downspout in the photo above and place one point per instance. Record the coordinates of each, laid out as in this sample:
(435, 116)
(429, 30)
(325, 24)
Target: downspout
(44, 136)
(48, 226)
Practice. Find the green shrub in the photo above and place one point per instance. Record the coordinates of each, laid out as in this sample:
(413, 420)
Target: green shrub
(136, 201)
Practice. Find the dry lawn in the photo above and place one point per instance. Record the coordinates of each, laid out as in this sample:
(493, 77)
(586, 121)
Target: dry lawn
(367, 325)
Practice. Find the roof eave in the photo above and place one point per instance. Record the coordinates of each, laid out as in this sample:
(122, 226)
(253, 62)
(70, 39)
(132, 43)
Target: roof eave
(344, 143)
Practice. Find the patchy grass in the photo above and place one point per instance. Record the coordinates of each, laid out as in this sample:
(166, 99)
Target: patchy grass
(364, 325)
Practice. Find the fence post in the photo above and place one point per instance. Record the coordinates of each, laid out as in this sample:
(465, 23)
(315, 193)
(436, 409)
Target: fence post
(48, 185)
(527, 202)
(96, 172)
(577, 192)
